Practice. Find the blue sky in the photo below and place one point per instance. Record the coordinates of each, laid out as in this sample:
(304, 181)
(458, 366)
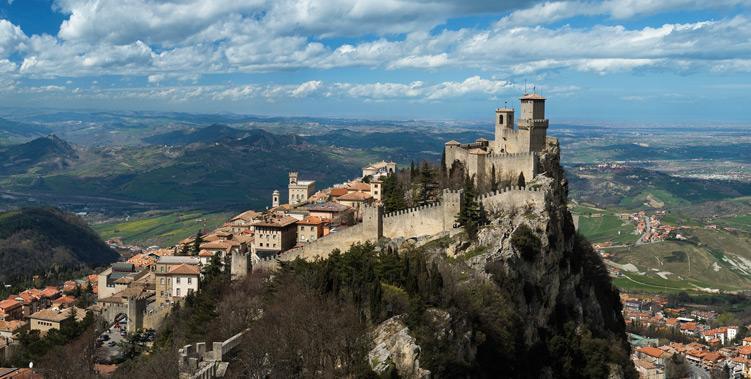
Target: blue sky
(614, 61)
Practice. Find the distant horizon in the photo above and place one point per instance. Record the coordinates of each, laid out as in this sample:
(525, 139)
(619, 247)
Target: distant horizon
(486, 121)
(677, 61)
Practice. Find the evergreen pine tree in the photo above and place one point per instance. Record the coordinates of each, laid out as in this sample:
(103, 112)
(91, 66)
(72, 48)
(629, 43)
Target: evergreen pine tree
(472, 214)
(376, 296)
(493, 180)
(444, 173)
(197, 243)
(393, 194)
(427, 183)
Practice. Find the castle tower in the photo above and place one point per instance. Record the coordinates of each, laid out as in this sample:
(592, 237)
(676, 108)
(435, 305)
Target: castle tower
(532, 120)
(275, 199)
(504, 129)
(240, 257)
(293, 177)
(372, 221)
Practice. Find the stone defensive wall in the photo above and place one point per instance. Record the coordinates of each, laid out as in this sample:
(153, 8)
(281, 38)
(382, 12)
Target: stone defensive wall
(512, 163)
(419, 221)
(513, 197)
(424, 220)
(322, 247)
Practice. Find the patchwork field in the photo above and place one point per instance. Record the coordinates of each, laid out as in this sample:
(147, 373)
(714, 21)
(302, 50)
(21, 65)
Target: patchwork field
(160, 228)
(709, 259)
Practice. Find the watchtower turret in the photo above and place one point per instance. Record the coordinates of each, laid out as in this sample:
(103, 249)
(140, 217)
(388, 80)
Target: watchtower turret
(504, 128)
(533, 119)
(293, 177)
(275, 198)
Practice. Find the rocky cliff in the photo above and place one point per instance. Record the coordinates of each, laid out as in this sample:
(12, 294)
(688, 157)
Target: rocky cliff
(532, 299)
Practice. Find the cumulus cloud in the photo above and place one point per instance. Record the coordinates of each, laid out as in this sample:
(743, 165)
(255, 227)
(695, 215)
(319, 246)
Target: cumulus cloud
(306, 88)
(189, 38)
(12, 38)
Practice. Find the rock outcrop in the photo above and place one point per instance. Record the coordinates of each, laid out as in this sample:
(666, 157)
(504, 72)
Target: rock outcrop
(395, 349)
(550, 280)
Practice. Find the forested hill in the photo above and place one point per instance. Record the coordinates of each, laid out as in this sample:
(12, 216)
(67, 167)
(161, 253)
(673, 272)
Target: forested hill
(46, 241)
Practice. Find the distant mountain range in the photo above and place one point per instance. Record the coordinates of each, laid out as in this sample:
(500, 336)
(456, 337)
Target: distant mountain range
(15, 131)
(43, 153)
(44, 240)
(222, 133)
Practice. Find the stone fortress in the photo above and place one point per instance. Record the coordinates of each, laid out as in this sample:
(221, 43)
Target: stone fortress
(513, 152)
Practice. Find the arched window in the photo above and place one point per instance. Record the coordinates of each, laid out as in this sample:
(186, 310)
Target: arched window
(500, 119)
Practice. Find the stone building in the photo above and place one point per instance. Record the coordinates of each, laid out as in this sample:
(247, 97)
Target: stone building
(300, 190)
(274, 234)
(333, 213)
(513, 152)
(164, 272)
(309, 229)
(381, 168)
(53, 318)
(117, 278)
(356, 201)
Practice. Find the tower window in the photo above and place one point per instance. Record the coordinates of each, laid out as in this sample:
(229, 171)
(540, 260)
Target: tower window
(500, 119)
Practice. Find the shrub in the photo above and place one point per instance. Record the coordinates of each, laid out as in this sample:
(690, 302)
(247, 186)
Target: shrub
(526, 242)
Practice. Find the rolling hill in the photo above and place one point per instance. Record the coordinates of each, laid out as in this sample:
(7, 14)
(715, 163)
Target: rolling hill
(42, 154)
(45, 240)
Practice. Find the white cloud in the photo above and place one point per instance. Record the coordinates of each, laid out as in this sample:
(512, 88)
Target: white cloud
(552, 11)
(421, 61)
(156, 78)
(306, 88)
(189, 38)
(7, 66)
(11, 38)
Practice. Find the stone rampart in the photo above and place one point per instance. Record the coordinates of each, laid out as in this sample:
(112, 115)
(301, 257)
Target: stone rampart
(321, 248)
(511, 165)
(412, 222)
(512, 197)
(419, 221)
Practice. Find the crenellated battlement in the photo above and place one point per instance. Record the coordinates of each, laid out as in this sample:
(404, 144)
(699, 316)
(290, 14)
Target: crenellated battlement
(413, 209)
(522, 155)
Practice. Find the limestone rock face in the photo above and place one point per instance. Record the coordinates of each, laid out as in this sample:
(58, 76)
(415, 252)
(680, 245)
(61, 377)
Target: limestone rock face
(395, 349)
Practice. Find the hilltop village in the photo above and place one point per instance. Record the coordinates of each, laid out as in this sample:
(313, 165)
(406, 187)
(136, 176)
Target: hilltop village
(516, 175)
(135, 296)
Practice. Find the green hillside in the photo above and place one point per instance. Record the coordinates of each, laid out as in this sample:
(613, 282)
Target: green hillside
(709, 259)
(45, 241)
(160, 228)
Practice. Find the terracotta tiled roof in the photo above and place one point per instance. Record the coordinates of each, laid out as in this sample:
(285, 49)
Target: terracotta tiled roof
(336, 192)
(355, 196)
(745, 350)
(328, 207)
(651, 351)
(65, 300)
(246, 216)
(205, 253)
(219, 244)
(11, 326)
(712, 357)
(276, 222)
(9, 304)
(185, 269)
(311, 220)
(688, 326)
(358, 186)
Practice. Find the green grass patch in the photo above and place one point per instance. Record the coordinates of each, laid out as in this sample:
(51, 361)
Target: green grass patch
(158, 228)
(602, 226)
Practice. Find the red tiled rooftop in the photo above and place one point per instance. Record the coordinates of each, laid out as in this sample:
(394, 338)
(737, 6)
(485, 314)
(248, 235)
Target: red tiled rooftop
(651, 351)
